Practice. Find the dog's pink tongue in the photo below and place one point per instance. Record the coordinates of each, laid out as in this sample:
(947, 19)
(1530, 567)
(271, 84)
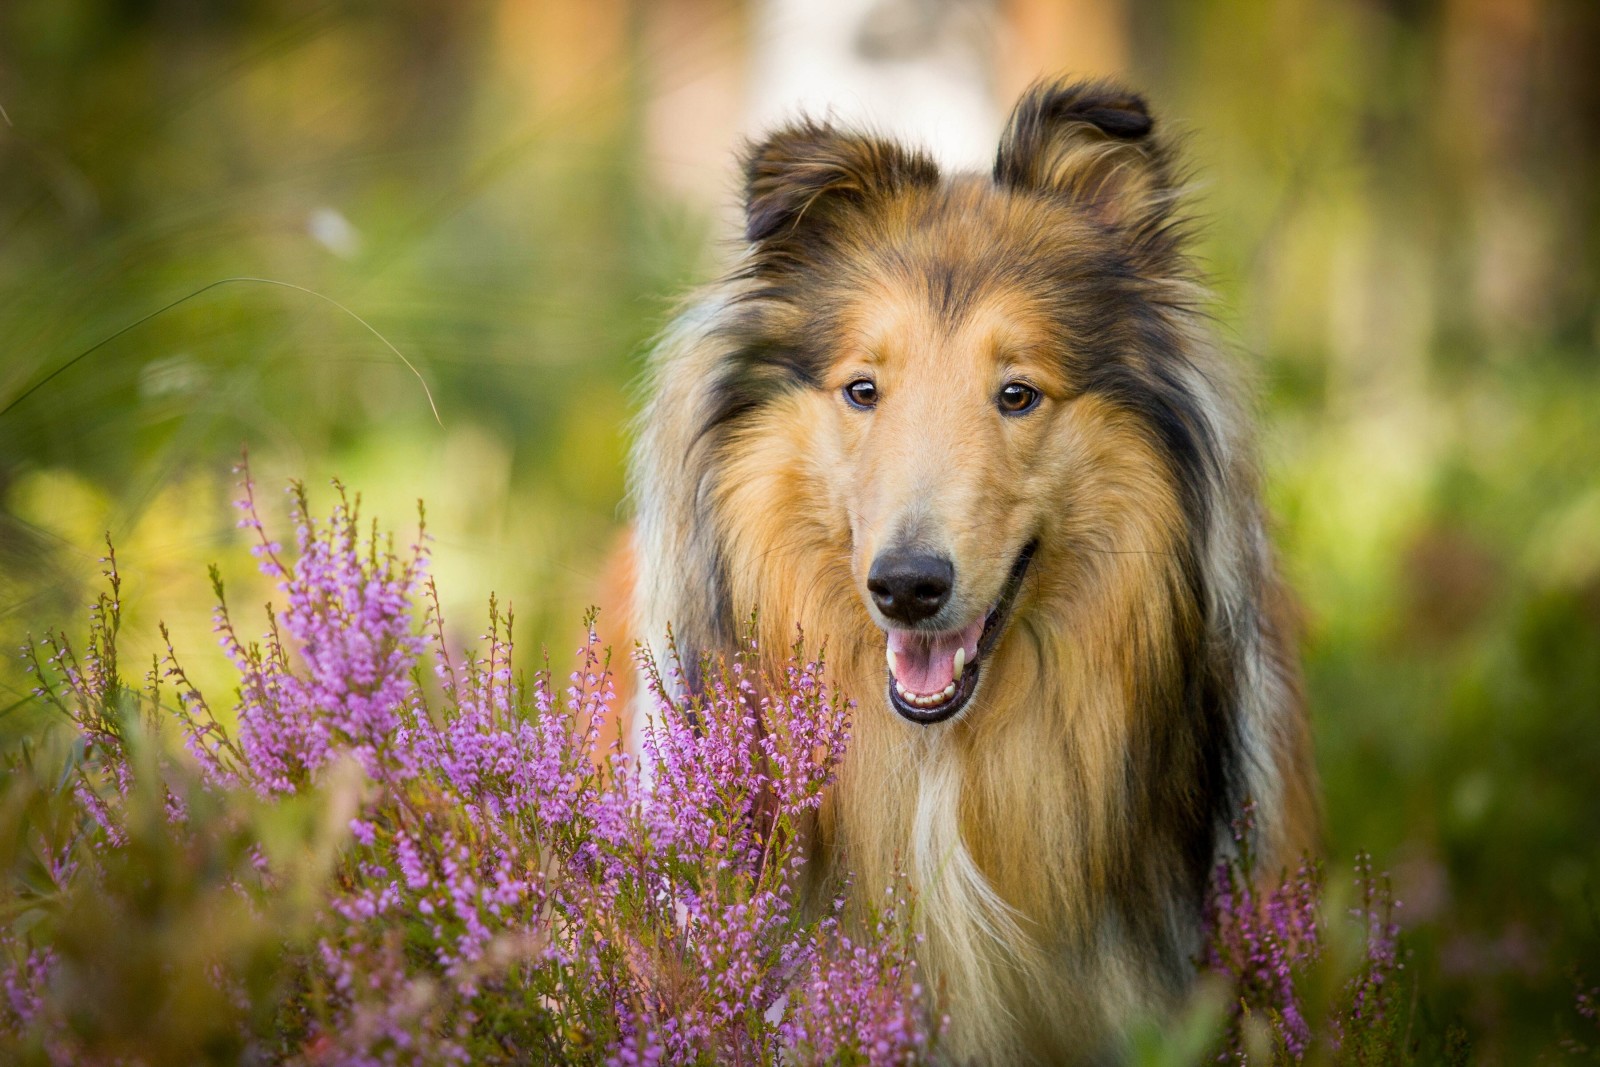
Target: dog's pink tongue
(925, 663)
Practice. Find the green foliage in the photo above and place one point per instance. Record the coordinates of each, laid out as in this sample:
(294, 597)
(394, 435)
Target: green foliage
(168, 948)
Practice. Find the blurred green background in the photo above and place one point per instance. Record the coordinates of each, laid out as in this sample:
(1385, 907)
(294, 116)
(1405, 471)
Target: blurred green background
(1402, 225)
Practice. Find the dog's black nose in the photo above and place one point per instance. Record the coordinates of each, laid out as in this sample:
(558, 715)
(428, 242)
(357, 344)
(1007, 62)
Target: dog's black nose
(910, 586)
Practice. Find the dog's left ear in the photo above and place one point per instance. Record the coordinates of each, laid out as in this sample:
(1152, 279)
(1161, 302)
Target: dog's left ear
(1091, 142)
(808, 174)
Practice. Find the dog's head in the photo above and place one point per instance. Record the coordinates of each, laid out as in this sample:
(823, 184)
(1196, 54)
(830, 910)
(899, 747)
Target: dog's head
(987, 370)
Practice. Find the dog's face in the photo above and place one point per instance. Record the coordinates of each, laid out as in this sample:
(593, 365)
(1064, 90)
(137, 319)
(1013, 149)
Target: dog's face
(945, 439)
(977, 387)
(944, 443)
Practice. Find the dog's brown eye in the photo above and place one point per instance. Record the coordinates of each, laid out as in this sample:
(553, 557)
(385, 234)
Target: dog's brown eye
(1018, 397)
(861, 393)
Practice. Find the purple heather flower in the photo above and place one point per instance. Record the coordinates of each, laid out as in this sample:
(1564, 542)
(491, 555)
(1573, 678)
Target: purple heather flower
(24, 974)
(1265, 941)
(633, 908)
(860, 1002)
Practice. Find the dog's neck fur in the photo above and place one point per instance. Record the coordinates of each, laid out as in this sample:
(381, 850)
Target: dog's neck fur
(1014, 822)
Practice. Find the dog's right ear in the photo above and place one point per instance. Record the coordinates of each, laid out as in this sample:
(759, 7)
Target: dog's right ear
(1092, 143)
(807, 173)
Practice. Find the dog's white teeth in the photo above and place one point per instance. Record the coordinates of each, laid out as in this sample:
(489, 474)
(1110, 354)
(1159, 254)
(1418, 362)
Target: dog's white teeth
(889, 655)
(961, 661)
(928, 700)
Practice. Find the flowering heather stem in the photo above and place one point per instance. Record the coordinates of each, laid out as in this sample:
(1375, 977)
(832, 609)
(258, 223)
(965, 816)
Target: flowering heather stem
(1269, 940)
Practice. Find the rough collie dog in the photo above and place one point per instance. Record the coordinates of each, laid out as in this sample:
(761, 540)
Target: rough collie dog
(970, 431)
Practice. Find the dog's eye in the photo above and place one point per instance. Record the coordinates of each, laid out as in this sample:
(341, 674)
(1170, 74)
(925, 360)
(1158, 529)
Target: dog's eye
(861, 393)
(1018, 397)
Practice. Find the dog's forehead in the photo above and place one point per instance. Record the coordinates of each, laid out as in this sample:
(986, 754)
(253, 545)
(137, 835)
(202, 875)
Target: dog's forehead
(987, 226)
(967, 243)
(908, 315)
(964, 278)
(966, 273)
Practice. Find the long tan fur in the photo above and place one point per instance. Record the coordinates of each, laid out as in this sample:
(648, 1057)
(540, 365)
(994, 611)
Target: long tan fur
(1059, 828)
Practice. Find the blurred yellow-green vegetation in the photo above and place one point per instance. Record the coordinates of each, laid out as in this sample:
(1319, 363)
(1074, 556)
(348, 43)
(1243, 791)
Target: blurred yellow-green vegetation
(1402, 222)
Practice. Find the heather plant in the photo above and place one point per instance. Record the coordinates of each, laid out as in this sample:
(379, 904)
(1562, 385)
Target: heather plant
(1304, 986)
(1586, 1042)
(386, 853)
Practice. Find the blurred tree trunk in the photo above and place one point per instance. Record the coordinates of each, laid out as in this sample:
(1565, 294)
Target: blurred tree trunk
(921, 70)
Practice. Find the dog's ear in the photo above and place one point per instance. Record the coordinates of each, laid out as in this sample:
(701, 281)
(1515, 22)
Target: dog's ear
(806, 173)
(1092, 142)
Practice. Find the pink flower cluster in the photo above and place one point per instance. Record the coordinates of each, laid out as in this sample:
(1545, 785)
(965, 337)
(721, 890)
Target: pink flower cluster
(511, 889)
(846, 1004)
(23, 973)
(1266, 940)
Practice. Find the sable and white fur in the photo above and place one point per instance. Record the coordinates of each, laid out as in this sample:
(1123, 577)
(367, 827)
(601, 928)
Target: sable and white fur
(1059, 830)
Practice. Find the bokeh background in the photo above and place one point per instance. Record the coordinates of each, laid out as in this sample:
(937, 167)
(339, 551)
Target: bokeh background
(1401, 224)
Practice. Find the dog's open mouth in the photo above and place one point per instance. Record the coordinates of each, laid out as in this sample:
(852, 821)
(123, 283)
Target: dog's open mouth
(932, 676)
